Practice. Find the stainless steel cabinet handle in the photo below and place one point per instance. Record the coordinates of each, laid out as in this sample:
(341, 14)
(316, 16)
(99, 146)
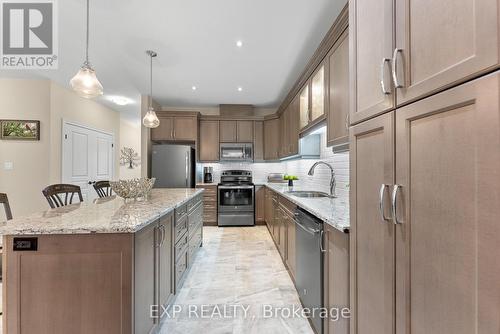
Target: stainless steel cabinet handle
(395, 191)
(321, 237)
(347, 121)
(394, 68)
(382, 76)
(381, 204)
(163, 233)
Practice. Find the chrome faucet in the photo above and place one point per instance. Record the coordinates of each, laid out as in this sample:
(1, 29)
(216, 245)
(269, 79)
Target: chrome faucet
(333, 182)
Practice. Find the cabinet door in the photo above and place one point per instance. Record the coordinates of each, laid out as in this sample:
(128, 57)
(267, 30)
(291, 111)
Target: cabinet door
(271, 139)
(291, 259)
(283, 132)
(338, 94)
(448, 167)
(244, 131)
(259, 203)
(336, 279)
(294, 118)
(304, 99)
(443, 43)
(318, 88)
(258, 141)
(165, 131)
(185, 128)
(227, 131)
(145, 290)
(371, 27)
(209, 141)
(166, 259)
(372, 247)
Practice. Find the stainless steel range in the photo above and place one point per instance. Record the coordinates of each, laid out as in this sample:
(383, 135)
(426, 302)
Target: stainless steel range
(236, 194)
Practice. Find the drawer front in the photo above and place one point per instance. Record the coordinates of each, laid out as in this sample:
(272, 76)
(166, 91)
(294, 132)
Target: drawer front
(180, 270)
(192, 204)
(181, 246)
(194, 244)
(287, 205)
(180, 212)
(195, 219)
(210, 215)
(181, 227)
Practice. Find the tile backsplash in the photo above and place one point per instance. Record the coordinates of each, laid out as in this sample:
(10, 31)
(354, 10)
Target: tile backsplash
(299, 167)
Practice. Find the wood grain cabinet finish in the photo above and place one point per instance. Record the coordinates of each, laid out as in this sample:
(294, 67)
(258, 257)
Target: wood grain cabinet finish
(432, 52)
(318, 93)
(447, 231)
(305, 105)
(164, 131)
(258, 141)
(338, 95)
(259, 204)
(165, 257)
(209, 203)
(185, 128)
(244, 131)
(271, 139)
(209, 141)
(336, 278)
(372, 238)
(293, 126)
(371, 35)
(228, 131)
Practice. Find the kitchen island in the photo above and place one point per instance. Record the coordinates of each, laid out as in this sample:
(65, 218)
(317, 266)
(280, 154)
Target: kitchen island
(99, 267)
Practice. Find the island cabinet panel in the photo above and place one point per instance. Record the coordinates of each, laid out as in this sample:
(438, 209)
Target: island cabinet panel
(209, 141)
(166, 259)
(59, 289)
(336, 278)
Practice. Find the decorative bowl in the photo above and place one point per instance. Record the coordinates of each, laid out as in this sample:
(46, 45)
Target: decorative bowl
(133, 188)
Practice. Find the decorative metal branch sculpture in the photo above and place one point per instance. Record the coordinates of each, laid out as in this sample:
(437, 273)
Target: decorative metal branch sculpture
(129, 157)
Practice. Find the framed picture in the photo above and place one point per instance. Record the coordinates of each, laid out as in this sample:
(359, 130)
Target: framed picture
(19, 130)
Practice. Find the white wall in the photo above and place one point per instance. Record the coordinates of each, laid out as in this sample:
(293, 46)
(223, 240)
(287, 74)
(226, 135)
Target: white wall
(38, 163)
(130, 136)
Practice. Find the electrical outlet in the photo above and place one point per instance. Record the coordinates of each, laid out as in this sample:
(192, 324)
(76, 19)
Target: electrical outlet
(8, 165)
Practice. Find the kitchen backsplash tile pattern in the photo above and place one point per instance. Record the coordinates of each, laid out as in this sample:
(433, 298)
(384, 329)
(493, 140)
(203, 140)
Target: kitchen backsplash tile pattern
(319, 181)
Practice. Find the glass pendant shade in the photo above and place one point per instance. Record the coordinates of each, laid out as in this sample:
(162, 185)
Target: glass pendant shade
(150, 120)
(85, 83)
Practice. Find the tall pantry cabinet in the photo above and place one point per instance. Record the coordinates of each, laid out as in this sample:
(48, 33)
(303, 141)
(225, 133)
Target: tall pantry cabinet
(425, 173)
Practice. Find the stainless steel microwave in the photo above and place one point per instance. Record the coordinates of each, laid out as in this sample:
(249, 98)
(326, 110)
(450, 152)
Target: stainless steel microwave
(236, 152)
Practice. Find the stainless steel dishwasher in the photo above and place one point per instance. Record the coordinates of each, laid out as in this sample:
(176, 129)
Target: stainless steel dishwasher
(309, 280)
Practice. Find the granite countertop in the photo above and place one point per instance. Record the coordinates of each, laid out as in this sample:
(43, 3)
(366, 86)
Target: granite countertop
(106, 215)
(333, 211)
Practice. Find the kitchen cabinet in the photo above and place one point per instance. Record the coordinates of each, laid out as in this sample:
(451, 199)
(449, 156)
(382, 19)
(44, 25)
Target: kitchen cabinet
(371, 34)
(293, 124)
(259, 204)
(209, 203)
(336, 278)
(165, 286)
(271, 139)
(227, 131)
(338, 95)
(209, 141)
(258, 141)
(433, 52)
(421, 250)
(244, 131)
(175, 128)
(289, 248)
(318, 96)
(304, 103)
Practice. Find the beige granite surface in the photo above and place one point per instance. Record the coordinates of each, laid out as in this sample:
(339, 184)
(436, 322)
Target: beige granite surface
(107, 215)
(333, 211)
(236, 267)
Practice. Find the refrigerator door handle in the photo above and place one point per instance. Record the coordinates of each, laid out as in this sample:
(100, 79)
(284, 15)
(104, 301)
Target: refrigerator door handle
(187, 168)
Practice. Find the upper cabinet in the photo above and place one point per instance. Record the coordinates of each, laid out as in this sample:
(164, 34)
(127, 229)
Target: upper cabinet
(232, 131)
(318, 87)
(176, 127)
(433, 52)
(338, 95)
(258, 142)
(371, 31)
(460, 41)
(271, 139)
(304, 106)
(209, 140)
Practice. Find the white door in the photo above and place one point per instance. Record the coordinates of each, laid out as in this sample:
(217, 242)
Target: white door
(87, 157)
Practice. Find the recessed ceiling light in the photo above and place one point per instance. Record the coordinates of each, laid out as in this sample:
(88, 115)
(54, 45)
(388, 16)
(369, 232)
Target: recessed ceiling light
(120, 100)
(239, 44)
(240, 89)
(193, 88)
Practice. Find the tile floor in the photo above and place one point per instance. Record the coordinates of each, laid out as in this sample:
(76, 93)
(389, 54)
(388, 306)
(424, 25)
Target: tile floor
(237, 267)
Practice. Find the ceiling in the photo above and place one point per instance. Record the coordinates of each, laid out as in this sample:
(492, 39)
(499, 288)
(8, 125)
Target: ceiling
(196, 45)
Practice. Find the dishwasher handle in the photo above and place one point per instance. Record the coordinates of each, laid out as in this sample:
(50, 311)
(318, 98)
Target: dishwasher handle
(308, 230)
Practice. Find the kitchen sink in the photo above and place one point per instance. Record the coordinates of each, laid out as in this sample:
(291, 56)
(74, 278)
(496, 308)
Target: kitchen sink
(308, 194)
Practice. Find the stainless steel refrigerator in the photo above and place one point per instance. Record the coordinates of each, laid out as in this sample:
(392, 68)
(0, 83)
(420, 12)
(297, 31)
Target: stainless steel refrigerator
(173, 166)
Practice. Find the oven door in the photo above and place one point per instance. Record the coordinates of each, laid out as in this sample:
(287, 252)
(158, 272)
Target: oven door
(236, 198)
(236, 152)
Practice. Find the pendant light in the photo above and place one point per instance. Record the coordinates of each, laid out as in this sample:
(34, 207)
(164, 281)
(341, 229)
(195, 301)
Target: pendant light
(85, 82)
(150, 120)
